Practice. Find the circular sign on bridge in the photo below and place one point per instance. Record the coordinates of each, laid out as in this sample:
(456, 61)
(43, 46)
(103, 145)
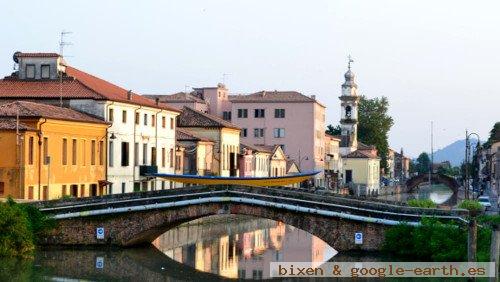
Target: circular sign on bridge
(358, 238)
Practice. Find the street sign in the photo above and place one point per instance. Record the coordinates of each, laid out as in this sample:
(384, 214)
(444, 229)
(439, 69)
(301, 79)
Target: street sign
(100, 232)
(99, 262)
(358, 238)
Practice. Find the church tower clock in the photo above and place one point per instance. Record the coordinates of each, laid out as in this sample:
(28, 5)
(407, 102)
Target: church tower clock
(349, 101)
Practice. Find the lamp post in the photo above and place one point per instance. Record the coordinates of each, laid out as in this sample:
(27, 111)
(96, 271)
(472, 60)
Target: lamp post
(467, 159)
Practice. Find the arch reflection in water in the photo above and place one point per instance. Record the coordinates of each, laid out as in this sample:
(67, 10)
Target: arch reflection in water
(240, 246)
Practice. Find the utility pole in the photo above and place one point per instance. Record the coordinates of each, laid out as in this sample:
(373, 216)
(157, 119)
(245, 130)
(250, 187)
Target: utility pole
(466, 163)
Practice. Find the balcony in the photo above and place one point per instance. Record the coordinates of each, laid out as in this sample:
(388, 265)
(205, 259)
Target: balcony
(145, 170)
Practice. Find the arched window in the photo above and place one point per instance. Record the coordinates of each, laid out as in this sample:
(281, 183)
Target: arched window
(348, 111)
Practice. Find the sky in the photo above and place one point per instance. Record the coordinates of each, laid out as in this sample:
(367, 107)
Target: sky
(435, 60)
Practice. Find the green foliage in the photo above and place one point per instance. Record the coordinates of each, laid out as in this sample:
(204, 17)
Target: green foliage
(494, 135)
(20, 225)
(471, 205)
(493, 219)
(423, 163)
(421, 203)
(333, 130)
(15, 236)
(374, 125)
(435, 241)
(450, 171)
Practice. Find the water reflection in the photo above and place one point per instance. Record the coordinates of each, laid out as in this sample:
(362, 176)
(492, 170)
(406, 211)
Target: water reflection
(240, 246)
(438, 193)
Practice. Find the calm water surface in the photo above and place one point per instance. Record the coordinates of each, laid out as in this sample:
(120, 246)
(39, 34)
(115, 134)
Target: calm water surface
(438, 193)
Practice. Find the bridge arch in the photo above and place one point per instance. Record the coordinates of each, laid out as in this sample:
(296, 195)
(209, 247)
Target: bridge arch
(141, 228)
(449, 181)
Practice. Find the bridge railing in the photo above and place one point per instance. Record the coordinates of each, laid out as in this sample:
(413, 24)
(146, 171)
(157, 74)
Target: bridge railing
(265, 195)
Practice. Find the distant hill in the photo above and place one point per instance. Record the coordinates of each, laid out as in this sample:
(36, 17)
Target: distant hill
(454, 153)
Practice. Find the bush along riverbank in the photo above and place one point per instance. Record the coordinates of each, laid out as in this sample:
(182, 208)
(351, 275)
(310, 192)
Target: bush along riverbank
(20, 226)
(435, 241)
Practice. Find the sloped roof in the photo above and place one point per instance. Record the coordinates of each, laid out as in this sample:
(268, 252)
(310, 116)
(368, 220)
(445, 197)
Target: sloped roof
(272, 97)
(11, 124)
(193, 118)
(334, 137)
(363, 146)
(177, 97)
(358, 154)
(290, 163)
(35, 110)
(36, 55)
(76, 84)
(183, 134)
(256, 148)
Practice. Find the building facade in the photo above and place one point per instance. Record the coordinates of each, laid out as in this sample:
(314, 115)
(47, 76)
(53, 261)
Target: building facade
(55, 152)
(141, 135)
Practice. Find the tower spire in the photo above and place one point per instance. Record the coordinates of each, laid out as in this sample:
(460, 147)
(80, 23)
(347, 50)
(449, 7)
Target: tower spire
(350, 60)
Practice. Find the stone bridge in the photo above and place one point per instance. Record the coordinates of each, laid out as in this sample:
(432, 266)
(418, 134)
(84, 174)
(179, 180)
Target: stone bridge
(139, 218)
(449, 181)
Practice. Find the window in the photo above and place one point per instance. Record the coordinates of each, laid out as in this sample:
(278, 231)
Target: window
(282, 147)
(279, 113)
(125, 154)
(92, 152)
(30, 150)
(101, 152)
(84, 152)
(73, 190)
(2, 188)
(30, 71)
(45, 150)
(45, 71)
(243, 132)
(136, 118)
(163, 122)
(162, 157)
(110, 115)
(153, 156)
(171, 157)
(136, 154)
(279, 132)
(258, 132)
(226, 115)
(144, 154)
(123, 187)
(124, 116)
(82, 190)
(348, 112)
(73, 152)
(153, 120)
(30, 192)
(242, 113)
(171, 123)
(111, 154)
(65, 151)
(177, 162)
(259, 113)
(63, 190)
(145, 119)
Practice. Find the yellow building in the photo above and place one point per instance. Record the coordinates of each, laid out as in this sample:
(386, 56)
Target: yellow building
(57, 152)
(225, 135)
(362, 171)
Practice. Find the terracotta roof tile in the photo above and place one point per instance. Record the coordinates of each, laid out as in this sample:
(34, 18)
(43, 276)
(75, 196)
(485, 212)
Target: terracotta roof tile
(30, 109)
(70, 89)
(183, 134)
(36, 54)
(177, 97)
(256, 148)
(359, 154)
(272, 97)
(194, 118)
(11, 124)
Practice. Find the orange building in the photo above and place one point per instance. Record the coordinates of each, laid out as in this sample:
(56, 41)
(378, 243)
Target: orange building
(49, 152)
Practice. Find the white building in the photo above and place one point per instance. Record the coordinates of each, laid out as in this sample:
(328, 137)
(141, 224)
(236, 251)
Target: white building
(141, 136)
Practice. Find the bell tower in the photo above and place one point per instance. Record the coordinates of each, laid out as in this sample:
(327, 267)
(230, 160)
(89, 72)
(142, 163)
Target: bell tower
(349, 111)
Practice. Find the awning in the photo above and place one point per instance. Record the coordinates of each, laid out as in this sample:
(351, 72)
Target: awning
(103, 183)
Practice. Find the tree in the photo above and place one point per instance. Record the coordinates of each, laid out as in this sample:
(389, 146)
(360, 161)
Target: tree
(494, 135)
(374, 125)
(333, 130)
(423, 163)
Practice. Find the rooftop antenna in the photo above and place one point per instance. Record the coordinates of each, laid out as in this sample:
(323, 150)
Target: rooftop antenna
(224, 77)
(62, 43)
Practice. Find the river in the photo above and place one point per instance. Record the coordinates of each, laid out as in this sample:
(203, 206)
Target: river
(208, 249)
(438, 193)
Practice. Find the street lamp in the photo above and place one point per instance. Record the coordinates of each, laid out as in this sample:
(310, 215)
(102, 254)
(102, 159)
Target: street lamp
(467, 159)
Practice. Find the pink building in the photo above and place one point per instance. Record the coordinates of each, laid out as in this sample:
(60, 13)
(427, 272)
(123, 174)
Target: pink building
(290, 119)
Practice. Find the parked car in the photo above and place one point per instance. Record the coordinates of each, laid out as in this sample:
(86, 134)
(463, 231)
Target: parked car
(484, 201)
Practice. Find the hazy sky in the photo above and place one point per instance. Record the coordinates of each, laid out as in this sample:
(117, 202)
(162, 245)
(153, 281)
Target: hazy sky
(434, 60)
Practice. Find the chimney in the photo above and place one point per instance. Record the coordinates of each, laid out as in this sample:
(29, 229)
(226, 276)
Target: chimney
(313, 97)
(157, 101)
(129, 95)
